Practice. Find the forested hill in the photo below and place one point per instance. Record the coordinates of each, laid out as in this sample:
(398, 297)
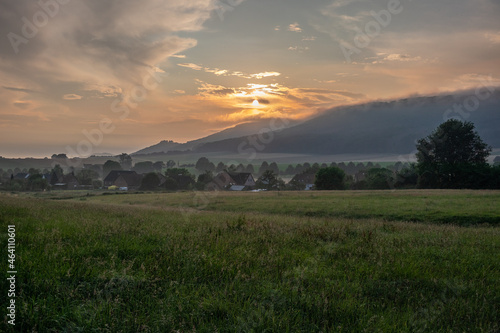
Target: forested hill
(379, 127)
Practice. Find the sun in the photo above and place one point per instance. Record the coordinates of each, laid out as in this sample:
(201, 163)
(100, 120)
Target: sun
(255, 103)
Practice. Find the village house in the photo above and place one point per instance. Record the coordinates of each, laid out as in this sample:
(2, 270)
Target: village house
(233, 181)
(22, 175)
(306, 180)
(123, 179)
(63, 182)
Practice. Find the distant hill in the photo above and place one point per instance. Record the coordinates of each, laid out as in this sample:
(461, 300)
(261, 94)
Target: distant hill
(377, 127)
(243, 129)
(161, 147)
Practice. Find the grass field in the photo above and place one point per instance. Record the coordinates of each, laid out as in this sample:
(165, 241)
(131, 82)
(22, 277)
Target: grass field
(381, 261)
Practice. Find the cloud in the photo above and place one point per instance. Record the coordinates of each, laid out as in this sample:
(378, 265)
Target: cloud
(384, 57)
(325, 81)
(264, 74)
(22, 105)
(99, 42)
(225, 72)
(72, 97)
(192, 66)
(299, 49)
(294, 27)
(19, 89)
(275, 100)
(493, 37)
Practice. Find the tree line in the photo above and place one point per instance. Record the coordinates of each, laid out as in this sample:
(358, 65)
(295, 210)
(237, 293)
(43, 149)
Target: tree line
(453, 156)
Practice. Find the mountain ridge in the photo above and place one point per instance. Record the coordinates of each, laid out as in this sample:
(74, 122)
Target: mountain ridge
(389, 127)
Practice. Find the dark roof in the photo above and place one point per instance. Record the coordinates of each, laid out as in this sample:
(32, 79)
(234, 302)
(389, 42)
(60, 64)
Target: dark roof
(113, 175)
(132, 179)
(21, 175)
(162, 178)
(240, 177)
(70, 178)
(54, 179)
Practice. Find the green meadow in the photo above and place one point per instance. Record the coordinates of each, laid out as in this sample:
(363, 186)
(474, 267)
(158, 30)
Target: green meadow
(348, 261)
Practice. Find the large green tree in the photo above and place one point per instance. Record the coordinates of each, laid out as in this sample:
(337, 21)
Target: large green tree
(150, 182)
(331, 178)
(203, 164)
(379, 179)
(450, 156)
(86, 176)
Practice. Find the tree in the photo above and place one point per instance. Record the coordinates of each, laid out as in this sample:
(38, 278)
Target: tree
(379, 179)
(204, 179)
(86, 176)
(269, 181)
(143, 167)
(249, 168)
(171, 164)
(448, 157)
(351, 168)
(263, 167)
(220, 167)
(203, 164)
(110, 166)
(125, 161)
(58, 171)
(289, 170)
(37, 182)
(331, 178)
(407, 177)
(150, 181)
(178, 179)
(158, 166)
(171, 184)
(97, 184)
(274, 168)
(33, 171)
(360, 167)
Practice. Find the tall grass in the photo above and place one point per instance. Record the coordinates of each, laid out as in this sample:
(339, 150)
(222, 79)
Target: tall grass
(85, 266)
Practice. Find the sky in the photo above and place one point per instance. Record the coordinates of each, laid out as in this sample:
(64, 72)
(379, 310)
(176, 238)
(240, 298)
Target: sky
(87, 77)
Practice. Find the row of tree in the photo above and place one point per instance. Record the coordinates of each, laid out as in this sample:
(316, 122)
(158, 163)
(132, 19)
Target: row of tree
(351, 168)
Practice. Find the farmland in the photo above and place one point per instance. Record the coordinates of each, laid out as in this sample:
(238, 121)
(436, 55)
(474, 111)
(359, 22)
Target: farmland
(391, 261)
